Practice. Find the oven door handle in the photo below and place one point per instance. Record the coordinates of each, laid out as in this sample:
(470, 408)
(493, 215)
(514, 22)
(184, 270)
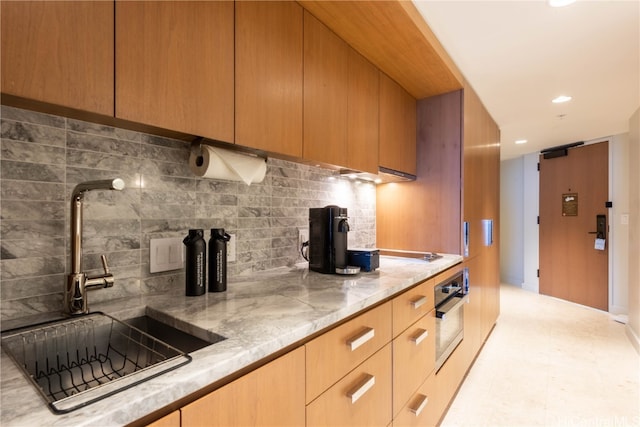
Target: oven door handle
(450, 306)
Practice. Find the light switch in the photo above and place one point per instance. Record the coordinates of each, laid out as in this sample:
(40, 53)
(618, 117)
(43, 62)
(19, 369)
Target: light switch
(166, 254)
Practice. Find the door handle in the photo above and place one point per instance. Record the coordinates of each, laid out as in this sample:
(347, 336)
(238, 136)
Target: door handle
(601, 227)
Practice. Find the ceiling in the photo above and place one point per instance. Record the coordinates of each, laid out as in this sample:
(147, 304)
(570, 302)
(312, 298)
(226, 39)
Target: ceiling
(519, 55)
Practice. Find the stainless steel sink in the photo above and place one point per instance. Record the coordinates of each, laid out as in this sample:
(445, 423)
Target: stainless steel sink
(78, 361)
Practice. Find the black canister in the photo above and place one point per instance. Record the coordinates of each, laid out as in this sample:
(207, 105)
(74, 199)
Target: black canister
(195, 273)
(218, 260)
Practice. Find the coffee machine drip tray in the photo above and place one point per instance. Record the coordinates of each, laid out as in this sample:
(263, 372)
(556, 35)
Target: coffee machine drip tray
(349, 269)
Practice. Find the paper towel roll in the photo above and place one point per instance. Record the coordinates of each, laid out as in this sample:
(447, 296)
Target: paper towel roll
(218, 163)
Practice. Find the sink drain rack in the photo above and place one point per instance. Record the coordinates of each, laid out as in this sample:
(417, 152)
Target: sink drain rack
(76, 362)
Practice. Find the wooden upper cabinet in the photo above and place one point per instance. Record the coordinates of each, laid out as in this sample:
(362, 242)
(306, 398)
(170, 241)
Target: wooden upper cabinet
(59, 52)
(272, 395)
(268, 77)
(175, 65)
(362, 119)
(326, 76)
(397, 127)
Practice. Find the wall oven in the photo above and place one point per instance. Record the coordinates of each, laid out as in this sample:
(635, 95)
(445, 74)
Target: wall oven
(449, 304)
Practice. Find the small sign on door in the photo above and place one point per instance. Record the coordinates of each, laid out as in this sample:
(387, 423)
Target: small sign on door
(570, 204)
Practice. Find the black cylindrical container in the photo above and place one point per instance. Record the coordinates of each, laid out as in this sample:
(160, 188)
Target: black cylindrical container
(218, 260)
(195, 273)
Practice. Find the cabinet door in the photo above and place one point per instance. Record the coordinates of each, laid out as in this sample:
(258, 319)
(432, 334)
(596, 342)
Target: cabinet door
(411, 305)
(171, 420)
(174, 66)
(59, 52)
(362, 119)
(269, 76)
(361, 398)
(272, 395)
(421, 410)
(414, 357)
(397, 127)
(325, 94)
(331, 355)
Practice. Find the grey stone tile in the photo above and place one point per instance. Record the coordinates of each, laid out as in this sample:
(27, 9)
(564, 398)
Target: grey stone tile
(34, 191)
(32, 211)
(32, 171)
(102, 144)
(20, 115)
(162, 199)
(28, 229)
(29, 248)
(32, 153)
(102, 161)
(28, 132)
(102, 130)
(29, 267)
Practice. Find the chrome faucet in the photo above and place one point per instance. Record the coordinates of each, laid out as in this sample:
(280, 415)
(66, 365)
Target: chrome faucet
(78, 283)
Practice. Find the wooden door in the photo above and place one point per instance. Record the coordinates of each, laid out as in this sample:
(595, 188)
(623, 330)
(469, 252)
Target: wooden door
(573, 191)
(326, 78)
(174, 66)
(269, 76)
(59, 52)
(272, 395)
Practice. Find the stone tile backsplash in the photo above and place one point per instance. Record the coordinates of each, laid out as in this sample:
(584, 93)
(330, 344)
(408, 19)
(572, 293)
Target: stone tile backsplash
(44, 156)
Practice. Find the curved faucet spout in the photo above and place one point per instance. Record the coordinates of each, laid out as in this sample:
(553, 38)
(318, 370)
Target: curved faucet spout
(75, 296)
(104, 184)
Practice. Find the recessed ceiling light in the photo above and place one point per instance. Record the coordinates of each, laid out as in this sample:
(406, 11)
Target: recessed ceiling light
(561, 99)
(521, 141)
(560, 3)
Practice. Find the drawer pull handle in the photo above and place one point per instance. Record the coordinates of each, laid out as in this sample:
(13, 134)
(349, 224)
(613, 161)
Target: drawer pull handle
(361, 338)
(421, 402)
(358, 391)
(419, 336)
(418, 302)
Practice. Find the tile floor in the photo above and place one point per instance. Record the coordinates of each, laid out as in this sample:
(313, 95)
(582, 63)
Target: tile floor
(549, 362)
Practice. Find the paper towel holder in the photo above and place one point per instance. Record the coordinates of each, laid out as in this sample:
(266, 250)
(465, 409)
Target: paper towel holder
(196, 149)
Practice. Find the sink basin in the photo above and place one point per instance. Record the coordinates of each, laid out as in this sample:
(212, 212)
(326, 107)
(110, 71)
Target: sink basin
(78, 361)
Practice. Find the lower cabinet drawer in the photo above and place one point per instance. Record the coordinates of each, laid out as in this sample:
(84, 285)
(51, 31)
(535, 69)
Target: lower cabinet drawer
(335, 353)
(421, 409)
(362, 398)
(414, 356)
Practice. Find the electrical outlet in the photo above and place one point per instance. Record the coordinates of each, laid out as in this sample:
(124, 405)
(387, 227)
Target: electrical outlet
(303, 236)
(231, 248)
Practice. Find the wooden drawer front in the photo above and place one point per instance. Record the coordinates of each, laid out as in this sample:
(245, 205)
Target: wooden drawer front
(362, 398)
(412, 305)
(269, 396)
(332, 355)
(421, 409)
(413, 359)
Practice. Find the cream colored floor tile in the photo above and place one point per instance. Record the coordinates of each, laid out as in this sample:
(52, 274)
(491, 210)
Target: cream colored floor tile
(553, 363)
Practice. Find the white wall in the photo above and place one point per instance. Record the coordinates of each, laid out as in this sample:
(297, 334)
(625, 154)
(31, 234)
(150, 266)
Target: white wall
(511, 217)
(633, 326)
(619, 232)
(530, 228)
(525, 171)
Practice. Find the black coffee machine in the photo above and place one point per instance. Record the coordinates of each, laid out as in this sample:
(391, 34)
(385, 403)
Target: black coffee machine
(328, 229)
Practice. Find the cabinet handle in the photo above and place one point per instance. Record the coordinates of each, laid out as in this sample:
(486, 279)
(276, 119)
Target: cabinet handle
(421, 403)
(361, 338)
(419, 336)
(418, 302)
(363, 386)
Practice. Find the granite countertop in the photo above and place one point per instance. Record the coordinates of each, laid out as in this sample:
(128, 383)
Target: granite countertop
(259, 315)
